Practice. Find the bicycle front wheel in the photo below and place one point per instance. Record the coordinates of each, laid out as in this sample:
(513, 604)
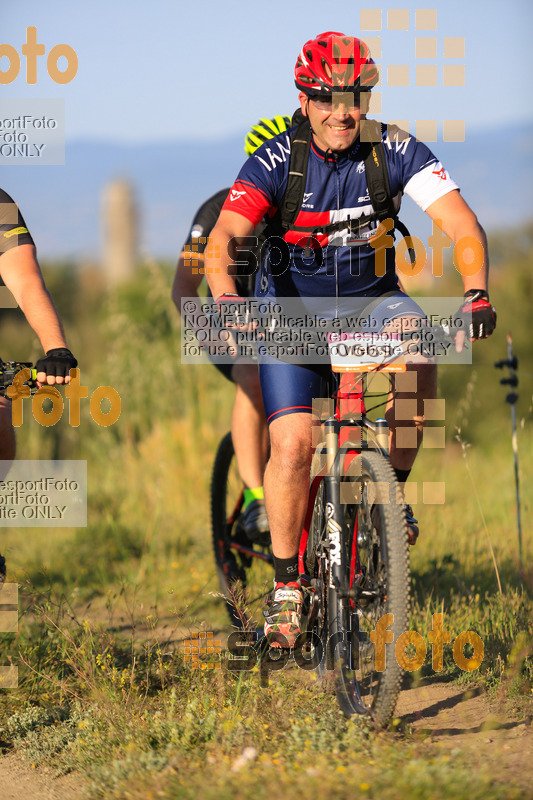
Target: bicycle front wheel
(376, 567)
(317, 564)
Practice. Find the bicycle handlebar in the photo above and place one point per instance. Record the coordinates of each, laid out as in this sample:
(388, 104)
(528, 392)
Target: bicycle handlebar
(435, 335)
(392, 351)
(8, 370)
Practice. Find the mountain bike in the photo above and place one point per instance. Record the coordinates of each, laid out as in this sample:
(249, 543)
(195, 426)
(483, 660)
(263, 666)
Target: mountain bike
(8, 370)
(354, 552)
(354, 545)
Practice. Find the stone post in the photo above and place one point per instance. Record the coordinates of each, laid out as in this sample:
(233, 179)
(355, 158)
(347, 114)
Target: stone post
(120, 231)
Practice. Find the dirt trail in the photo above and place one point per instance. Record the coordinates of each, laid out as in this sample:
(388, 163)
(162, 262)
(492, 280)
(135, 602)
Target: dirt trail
(453, 717)
(20, 782)
(447, 714)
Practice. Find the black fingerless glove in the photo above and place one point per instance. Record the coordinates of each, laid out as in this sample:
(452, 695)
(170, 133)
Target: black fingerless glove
(478, 314)
(57, 362)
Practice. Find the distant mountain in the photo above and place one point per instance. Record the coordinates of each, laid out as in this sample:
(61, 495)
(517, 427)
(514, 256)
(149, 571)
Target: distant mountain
(62, 204)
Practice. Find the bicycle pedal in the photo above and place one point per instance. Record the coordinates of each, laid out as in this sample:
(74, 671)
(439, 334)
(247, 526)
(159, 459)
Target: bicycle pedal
(310, 608)
(279, 650)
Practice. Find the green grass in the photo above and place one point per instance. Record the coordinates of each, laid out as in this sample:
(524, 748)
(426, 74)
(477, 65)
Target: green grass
(103, 686)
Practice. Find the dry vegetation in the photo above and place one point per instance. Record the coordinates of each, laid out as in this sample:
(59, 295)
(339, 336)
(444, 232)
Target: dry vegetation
(104, 690)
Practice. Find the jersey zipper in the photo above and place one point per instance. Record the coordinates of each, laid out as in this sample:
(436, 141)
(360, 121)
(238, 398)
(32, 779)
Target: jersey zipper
(338, 176)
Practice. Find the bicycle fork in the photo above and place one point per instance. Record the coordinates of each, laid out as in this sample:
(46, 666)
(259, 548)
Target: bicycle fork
(346, 626)
(334, 510)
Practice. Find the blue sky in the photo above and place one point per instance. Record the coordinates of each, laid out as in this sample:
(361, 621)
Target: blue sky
(207, 69)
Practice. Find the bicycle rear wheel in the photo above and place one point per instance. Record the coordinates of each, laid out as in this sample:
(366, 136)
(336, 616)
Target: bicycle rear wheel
(242, 568)
(377, 583)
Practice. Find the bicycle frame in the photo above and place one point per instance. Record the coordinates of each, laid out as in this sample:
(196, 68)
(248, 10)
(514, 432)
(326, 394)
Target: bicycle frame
(237, 546)
(353, 555)
(349, 414)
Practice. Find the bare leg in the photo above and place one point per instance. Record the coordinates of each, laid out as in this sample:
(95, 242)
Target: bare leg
(405, 411)
(425, 380)
(248, 426)
(287, 481)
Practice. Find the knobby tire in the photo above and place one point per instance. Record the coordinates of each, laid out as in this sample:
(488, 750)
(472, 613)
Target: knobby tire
(384, 561)
(230, 568)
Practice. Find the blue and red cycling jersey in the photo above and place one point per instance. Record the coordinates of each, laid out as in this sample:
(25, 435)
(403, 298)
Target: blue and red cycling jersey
(340, 264)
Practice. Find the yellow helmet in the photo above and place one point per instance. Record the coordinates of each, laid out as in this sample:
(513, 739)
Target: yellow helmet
(264, 130)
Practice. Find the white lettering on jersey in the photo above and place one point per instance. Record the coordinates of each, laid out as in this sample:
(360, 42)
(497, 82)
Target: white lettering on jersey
(264, 163)
(343, 238)
(307, 195)
(234, 195)
(401, 147)
(395, 305)
(274, 158)
(360, 168)
(400, 138)
(337, 215)
(283, 149)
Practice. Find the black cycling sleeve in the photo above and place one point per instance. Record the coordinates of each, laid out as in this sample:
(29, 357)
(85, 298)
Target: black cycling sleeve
(13, 229)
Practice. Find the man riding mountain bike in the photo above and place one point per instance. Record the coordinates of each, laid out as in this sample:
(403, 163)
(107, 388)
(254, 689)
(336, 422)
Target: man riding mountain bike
(21, 274)
(333, 250)
(248, 425)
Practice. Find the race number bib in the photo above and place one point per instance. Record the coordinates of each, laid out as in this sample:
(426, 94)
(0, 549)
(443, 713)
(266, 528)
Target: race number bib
(364, 352)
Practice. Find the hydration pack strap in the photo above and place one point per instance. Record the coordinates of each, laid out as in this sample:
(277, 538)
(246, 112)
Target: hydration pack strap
(299, 159)
(332, 227)
(377, 181)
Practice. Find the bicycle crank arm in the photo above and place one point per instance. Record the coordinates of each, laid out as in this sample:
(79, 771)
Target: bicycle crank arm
(249, 551)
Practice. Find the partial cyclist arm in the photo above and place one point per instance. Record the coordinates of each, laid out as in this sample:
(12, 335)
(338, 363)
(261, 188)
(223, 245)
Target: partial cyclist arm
(455, 217)
(221, 251)
(185, 282)
(452, 214)
(22, 275)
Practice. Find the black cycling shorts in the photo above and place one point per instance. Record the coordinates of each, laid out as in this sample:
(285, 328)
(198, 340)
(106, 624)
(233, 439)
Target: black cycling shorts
(291, 388)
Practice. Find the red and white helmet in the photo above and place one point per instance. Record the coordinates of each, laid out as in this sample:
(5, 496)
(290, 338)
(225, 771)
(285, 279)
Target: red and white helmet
(333, 62)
